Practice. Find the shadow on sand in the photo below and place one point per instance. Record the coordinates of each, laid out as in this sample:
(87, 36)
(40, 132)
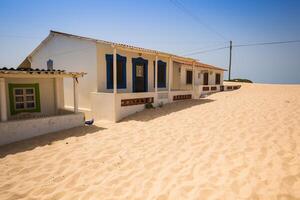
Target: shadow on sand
(150, 114)
(47, 139)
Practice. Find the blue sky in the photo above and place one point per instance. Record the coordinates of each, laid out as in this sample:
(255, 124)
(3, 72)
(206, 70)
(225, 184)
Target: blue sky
(158, 24)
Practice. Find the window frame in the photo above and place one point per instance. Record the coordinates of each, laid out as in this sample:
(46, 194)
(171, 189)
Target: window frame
(12, 98)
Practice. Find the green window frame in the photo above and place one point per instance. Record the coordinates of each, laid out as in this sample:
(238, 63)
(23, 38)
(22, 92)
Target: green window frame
(12, 98)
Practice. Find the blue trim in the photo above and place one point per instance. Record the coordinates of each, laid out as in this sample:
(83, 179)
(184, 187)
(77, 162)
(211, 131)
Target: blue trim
(164, 67)
(109, 63)
(123, 60)
(139, 61)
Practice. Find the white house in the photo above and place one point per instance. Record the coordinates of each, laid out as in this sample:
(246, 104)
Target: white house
(121, 78)
(32, 103)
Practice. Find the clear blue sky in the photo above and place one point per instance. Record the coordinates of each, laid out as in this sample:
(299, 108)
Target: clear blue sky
(158, 24)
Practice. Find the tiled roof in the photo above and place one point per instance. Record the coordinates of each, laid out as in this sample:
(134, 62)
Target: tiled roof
(197, 63)
(31, 71)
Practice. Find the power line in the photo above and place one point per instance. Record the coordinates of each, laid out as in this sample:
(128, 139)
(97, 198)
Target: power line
(206, 51)
(266, 43)
(181, 7)
(191, 51)
(244, 45)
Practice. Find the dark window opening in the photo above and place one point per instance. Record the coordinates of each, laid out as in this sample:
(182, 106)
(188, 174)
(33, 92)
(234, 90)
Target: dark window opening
(161, 74)
(121, 72)
(218, 79)
(205, 78)
(189, 77)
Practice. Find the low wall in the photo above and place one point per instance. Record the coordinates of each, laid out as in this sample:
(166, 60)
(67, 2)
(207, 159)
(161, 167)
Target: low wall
(12, 131)
(206, 89)
(102, 106)
(123, 111)
(231, 87)
(105, 107)
(175, 94)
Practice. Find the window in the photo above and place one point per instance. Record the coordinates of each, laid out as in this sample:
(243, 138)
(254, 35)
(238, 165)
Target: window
(24, 98)
(161, 74)
(189, 77)
(121, 72)
(205, 78)
(139, 71)
(218, 79)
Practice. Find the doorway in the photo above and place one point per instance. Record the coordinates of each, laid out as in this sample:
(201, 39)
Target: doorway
(139, 75)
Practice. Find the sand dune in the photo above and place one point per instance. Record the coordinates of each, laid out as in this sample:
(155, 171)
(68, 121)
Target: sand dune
(243, 144)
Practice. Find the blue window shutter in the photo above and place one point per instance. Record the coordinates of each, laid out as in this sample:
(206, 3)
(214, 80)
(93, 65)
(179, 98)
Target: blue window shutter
(161, 68)
(154, 74)
(124, 72)
(109, 71)
(109, 63)
(163, 65)
(146, 75)
(133, 74)
(123, 60)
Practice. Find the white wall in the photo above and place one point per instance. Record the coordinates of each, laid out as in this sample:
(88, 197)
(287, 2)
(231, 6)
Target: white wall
(47, 94)
(74, 55)
(176, 76)
(183, 85)
(211, 76)
(102, 105)
(13, 131)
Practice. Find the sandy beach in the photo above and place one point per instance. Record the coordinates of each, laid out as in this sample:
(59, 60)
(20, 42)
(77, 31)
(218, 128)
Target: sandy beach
(243, 144)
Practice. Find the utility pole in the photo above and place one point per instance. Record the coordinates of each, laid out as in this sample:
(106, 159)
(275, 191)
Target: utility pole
(229, 72)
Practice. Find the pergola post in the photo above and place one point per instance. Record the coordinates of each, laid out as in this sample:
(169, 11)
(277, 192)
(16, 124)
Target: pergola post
(156, 63)
(193, 75)
(170, 77)
(115, 82)
(193, 80)
(3, 106)
(156, 67)
(59, 100)
(115, 70)
(75, 93)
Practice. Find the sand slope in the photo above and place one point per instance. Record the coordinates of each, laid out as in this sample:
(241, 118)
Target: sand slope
(243, 144)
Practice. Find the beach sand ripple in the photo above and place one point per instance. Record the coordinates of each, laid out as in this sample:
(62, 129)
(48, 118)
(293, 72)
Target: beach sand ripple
(243, 144)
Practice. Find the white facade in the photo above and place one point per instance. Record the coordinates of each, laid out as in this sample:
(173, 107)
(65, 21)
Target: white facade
(70, 54)
(75, 53)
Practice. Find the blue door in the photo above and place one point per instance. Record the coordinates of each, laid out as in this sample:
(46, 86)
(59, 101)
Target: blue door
(139, 75)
